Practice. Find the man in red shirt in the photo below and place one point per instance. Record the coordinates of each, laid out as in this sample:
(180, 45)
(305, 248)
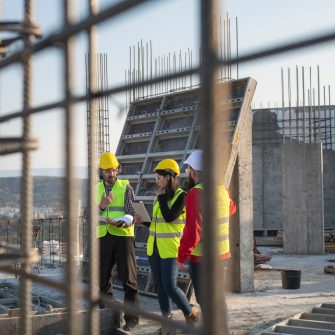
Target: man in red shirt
(189, 249)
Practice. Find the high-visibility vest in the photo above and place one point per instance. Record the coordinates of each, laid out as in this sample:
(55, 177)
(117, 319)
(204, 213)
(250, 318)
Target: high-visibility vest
(223, 225)
(167, 234)
(113, 210)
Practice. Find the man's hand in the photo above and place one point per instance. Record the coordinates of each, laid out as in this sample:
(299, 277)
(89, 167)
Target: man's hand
(182, 267)
(115, 223)
(105, 201)
(137, 219)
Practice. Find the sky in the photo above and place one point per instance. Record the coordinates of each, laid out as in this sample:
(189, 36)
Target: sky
(171, 25)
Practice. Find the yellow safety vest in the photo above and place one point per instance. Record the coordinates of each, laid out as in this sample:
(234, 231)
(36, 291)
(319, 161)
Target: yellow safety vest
(167, 234)
(223, 217)
(113, 210)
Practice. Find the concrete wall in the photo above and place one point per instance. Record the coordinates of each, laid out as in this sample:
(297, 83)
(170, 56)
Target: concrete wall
(267, 183)
(303, 225)
(329, 188)
(268, 146)
(268, 188)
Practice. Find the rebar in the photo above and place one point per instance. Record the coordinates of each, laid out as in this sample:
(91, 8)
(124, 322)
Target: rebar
(25, 325)
(93, 246)
(72, 327)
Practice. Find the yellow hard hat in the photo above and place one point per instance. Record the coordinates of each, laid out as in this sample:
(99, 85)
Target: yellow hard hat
(169, 165)
(108, 161)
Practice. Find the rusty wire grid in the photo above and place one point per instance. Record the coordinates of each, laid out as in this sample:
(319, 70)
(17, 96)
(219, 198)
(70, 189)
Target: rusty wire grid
(207, 70)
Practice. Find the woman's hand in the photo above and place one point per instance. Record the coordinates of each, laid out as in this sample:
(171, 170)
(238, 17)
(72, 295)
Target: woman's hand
(137, 219)
(182, 267)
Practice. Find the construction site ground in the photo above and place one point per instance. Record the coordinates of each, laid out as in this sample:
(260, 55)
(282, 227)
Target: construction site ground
(250, 312)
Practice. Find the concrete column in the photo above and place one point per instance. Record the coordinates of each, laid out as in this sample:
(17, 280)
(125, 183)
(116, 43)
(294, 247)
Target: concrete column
(303, 209)
(241, 225)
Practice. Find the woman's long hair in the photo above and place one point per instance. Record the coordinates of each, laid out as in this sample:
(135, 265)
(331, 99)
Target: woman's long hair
(172, 183)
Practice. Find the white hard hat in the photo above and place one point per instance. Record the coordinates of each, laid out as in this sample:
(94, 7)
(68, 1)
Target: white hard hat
(194, 160)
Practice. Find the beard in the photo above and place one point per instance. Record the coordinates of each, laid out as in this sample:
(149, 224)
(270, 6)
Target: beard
(190, 183)
(110, 180)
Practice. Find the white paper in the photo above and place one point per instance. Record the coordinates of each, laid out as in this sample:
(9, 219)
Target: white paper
(140, 209)
(127, 219)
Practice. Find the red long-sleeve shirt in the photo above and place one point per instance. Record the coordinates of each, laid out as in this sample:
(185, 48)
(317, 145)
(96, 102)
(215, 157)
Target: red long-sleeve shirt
(192, 231)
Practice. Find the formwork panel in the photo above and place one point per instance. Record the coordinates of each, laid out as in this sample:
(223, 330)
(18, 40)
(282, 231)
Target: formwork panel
(135, 148)
(148, 187)
(182, 101)
(143, 127)
(146, 107)
(177, 122)
(171, 127)
(132, 168)
(170, 144)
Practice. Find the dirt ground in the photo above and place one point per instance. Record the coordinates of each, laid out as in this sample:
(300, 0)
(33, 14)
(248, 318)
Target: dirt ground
(251, 312)
(270, 303)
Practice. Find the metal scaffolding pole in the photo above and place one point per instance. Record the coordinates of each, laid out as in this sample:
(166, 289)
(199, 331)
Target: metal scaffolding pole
(208, 111)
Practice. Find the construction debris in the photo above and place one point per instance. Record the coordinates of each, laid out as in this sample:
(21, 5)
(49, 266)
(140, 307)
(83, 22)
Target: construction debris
(329, 269)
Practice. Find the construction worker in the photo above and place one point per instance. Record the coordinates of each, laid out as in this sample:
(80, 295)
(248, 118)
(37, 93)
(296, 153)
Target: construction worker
(165, 230)
(190, 248)
(114, 197)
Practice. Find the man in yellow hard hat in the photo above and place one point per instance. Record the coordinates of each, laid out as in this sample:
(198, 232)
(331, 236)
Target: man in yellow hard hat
(116, 233)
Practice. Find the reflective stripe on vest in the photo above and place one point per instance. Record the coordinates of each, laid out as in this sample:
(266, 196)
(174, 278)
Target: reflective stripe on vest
(111, 209)
(223, 222)
(177, 221)
(114, 210)
(167, 234)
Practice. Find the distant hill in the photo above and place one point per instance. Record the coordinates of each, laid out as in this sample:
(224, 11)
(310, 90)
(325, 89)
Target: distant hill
(47, 191)
(81, 172)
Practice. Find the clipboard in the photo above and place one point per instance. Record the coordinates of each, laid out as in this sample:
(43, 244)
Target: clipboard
(140, 209)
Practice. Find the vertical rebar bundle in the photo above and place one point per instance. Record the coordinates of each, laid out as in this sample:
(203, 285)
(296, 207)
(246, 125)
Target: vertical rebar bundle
(308, 120)
(144, 66)
(101, 120)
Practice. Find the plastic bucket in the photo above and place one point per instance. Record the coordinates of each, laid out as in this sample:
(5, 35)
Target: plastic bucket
(291, 279)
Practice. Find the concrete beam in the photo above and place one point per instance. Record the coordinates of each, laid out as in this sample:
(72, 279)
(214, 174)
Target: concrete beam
(302, 331)
(311, 324)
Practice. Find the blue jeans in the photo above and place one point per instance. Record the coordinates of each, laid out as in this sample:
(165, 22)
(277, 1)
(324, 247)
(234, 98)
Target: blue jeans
(164, 271)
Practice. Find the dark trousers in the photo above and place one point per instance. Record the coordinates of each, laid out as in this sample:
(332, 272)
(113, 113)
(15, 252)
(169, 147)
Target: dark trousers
(195, 274)
(120, 251)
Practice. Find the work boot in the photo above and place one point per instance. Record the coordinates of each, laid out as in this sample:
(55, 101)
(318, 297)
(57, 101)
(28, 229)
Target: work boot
(193, 318)
(130, 325)
(165, 329)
